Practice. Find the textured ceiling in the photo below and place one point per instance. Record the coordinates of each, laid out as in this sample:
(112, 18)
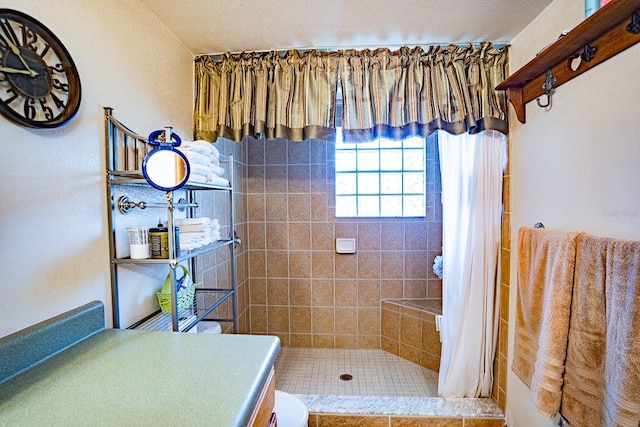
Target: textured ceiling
(215, 26)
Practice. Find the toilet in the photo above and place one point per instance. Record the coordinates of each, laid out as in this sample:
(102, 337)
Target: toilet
(290, 411)
(208, 327)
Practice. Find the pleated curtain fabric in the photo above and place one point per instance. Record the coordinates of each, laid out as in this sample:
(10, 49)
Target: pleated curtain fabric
(384, 93)
(412, 92)
(266, 95)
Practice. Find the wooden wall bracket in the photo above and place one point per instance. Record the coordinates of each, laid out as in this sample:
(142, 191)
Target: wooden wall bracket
(609, 31)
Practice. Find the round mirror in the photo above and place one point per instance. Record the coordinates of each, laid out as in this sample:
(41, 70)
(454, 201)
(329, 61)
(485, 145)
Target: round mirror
(165, 169)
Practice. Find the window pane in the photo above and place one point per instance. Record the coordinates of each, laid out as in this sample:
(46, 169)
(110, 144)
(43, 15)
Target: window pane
(390, 160)
(373, 145)
(414, 160)
(415, 142)
(345, 160)
(390, 183)
(390, 205)
(345, 183)
(414, 206)
(346, 206)
(414, 182)
(368, 160)
(380, 178)
(368, 183)
(368, 206)
(390, 143)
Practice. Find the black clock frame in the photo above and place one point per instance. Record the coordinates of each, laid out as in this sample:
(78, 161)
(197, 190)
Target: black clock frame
(33, 83)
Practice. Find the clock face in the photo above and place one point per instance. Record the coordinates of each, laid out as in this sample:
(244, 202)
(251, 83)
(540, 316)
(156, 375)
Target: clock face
(39, 83)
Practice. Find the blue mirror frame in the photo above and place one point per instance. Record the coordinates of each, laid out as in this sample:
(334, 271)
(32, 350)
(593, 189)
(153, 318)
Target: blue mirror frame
(165, 141)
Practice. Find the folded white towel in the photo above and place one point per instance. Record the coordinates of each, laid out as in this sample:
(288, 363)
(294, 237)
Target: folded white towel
(190, 241)
(194, 177)
(196, 158)
(218, 180)
(197, 232)
(216, 169)
(198, 228)
(192, 238)
(201, 143)
(195, 221)
(191, 146)
(215, 151)
(200, 169)
(188, 246)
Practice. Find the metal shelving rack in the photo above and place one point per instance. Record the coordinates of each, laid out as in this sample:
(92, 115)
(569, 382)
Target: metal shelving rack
(125, 151)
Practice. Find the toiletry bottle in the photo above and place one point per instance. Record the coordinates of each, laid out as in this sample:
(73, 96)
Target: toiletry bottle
(590, 7)
(159, 239)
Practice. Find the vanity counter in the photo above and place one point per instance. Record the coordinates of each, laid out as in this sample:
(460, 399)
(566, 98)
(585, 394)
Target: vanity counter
(143, 378)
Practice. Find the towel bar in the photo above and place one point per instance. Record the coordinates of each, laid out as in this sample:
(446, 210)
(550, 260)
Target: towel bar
(125, 205)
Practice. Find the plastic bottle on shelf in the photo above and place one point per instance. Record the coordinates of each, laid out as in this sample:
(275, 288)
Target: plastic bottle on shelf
(159, 240)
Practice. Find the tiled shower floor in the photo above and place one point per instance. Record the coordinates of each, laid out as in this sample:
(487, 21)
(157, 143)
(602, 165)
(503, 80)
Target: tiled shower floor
(312, 371)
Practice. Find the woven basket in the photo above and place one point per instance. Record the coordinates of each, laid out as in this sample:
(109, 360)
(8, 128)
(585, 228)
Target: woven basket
(186, 290)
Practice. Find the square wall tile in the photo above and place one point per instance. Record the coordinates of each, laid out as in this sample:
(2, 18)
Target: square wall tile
(277, 264)
(322, 236)
(275, 179)
(322, 293)
(346, 321)
(299, 264)
(300, 292)
(278, 292)
(299, 208)
(368, 265)
(322, 264)
(346, 292)
(300, 320)
(346, 266)
(299, 236)
(278, 318)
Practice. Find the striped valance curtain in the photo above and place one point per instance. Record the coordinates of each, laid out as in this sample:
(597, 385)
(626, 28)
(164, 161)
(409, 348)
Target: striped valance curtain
(384, 93)
(267, 95)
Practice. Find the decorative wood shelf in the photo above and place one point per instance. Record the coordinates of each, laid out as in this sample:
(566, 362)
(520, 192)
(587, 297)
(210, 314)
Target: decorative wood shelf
(610, 30)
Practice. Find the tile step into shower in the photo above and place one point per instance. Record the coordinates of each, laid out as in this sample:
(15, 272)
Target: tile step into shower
(373, 387)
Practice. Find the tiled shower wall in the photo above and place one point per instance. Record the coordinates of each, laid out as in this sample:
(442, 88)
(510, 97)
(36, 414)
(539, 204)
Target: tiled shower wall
(300, 289)
(500, 365)
(291, 283)
(216, 271)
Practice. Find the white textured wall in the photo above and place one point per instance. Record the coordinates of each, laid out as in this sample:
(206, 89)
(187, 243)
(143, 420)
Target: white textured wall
(577, 166)
(53, 235)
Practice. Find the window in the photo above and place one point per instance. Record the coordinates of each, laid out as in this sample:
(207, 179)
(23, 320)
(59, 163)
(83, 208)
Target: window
(382, 178)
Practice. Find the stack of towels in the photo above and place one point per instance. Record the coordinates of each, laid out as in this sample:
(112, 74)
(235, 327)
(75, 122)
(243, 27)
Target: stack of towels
(204, 160)
(197, 232)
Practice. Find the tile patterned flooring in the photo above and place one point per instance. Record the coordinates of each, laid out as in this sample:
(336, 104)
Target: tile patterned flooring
(313, 371)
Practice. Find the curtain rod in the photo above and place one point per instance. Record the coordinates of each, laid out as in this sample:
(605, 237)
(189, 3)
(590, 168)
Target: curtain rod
(497, 45)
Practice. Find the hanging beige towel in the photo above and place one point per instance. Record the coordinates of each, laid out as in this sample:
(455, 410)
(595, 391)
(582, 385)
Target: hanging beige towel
(602, 378)
(546, 261)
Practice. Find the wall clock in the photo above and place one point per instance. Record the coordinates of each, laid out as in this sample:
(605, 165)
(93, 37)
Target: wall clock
(39, 83)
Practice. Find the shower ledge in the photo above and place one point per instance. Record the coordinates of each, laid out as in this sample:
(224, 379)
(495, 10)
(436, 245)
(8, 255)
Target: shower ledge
(407, 406)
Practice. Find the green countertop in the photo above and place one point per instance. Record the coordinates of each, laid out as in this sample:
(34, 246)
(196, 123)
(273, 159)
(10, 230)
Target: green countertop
(143, 378)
